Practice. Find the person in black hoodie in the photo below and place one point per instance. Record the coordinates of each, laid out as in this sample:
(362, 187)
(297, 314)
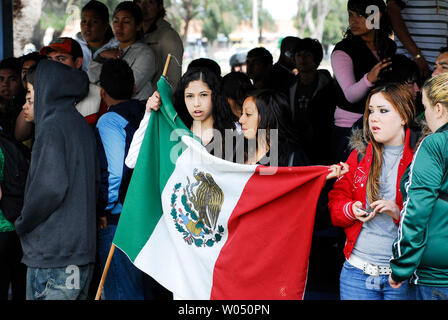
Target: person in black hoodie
(312, 102)
(284, 71)
(57, 223)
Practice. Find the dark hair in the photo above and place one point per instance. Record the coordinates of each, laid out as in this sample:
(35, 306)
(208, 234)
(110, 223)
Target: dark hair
(384, 46)
(160, 14)
(273, 111)
(103, 12)
(11, 63)
(117, 79)
(443, 49)
(403, 71)
(221, 113)
(263, 54)
(134, 10)
(31, 73)
(313, 46)
(206, 63)
(33, 56)
(236, 85)
(288, 43)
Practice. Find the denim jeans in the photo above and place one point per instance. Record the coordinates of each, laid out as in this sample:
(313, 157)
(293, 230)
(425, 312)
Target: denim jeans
(124, 281)
(419, 292)
(69, 283)
(355, 285)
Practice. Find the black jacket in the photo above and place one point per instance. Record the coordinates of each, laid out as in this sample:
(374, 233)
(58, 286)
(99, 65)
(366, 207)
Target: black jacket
(313, 122)
(363, 61)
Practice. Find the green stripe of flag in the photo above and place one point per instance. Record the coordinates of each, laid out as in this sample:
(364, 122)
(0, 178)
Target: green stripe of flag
(142, 207)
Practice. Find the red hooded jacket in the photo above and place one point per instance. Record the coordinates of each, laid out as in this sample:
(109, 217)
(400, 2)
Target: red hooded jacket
(351, 187)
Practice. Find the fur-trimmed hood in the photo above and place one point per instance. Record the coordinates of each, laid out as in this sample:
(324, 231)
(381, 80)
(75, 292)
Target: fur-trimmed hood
(357, 141)
(417, 133)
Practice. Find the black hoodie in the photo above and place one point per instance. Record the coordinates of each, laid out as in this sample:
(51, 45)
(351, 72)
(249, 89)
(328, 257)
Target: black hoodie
(57, 225)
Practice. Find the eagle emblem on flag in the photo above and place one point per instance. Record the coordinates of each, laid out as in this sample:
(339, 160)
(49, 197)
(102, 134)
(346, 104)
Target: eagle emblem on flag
(196, 214)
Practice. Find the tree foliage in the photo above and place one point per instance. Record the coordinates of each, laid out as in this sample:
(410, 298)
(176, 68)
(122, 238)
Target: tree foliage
(324, 20)
(220, 17)
(217, 17)
(336, 23)
(55, 13)
(181, 12)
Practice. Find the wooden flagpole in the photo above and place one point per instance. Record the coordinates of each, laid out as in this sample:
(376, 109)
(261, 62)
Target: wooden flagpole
(112, 247)
(106, 269)
(167, 63)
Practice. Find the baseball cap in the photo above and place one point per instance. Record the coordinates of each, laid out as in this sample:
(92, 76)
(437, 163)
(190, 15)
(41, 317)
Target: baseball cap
(64, 45)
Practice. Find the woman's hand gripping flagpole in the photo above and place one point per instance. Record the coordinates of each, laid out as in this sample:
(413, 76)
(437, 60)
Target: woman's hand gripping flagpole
(155, 98)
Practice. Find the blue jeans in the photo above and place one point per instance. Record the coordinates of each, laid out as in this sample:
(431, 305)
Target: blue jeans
(355, 285)
(69, 283)
(124, 281)
(419, 292)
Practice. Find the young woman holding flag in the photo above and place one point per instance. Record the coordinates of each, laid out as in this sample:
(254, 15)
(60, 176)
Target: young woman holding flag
(266, 126)
(204, 110)
(201, 107)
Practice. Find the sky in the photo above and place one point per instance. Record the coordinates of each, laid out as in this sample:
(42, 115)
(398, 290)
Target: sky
(281, 9)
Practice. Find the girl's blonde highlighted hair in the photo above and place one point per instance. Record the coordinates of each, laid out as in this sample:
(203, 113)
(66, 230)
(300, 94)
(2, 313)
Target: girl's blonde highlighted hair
(401, 99)
(436, 89)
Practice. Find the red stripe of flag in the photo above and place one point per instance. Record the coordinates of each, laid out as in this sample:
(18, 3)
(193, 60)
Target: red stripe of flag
(270, 231)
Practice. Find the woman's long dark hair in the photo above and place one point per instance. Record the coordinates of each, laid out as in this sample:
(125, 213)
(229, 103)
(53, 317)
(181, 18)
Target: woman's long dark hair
(101, 10)
(274, 113)
(221, 112)
(236, 85)
(384, 47)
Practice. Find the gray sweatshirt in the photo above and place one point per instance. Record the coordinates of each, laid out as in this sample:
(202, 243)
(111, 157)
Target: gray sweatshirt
(374, 243)
(142, 61)
(57, 226)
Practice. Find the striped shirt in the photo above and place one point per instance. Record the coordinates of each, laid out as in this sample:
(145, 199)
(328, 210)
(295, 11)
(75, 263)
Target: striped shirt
(427, 23)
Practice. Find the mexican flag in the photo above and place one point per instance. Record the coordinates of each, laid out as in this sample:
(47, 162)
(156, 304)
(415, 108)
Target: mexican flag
(206, 228)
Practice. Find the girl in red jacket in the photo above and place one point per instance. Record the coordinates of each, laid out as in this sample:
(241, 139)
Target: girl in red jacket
(366, 201)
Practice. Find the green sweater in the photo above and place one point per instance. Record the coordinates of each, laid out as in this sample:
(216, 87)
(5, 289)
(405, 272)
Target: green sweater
(420, 252)
(5, 225)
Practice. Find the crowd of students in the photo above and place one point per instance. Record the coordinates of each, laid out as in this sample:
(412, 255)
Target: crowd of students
(78, 109)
